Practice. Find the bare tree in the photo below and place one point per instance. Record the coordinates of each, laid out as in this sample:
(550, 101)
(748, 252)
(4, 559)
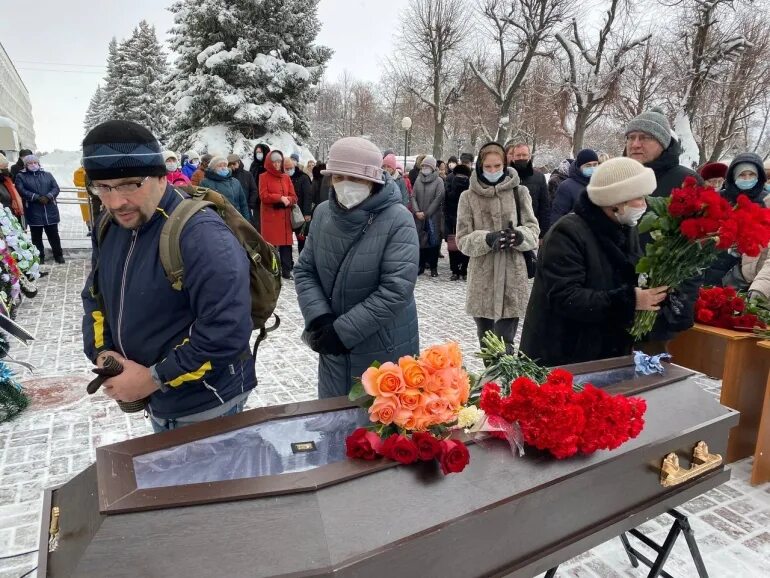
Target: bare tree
(594, 72)
(431, 42)
(642, 84)
(517, 28)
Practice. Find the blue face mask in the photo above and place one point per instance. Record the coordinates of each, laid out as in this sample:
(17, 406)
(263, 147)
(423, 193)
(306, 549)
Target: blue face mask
(290, 172)
(588, 171)
(767, 187)
(493, 177)
(223, 172)
(745, 185)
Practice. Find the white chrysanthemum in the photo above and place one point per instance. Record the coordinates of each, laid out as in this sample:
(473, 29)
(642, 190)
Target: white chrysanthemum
(469, 416)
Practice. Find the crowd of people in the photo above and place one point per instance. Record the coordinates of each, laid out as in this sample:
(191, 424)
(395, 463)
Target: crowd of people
(563, 251)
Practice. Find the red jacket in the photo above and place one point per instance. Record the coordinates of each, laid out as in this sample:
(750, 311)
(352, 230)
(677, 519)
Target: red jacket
(276, 222)
(16, 204)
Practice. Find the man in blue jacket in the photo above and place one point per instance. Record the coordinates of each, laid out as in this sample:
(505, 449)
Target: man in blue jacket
(187, 350)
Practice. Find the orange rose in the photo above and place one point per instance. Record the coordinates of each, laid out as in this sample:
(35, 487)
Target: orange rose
(410, 398)
(386, 380)
(435, 383)
(435, 405)
(436, 357)
(405, 418)
(455, 355)
(423, 421)
(384, 409)
(414, 374)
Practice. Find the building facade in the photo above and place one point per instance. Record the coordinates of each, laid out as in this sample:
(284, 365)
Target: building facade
(14, 101)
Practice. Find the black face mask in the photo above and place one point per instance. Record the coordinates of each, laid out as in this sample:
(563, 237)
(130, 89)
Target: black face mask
(520, 164)
(5, 172)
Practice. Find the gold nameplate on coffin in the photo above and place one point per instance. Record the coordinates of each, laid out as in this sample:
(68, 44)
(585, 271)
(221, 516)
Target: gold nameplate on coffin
(671, 474)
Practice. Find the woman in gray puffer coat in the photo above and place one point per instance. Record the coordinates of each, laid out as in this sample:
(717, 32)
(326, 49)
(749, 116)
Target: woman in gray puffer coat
(356, 275)
(488, 231)
(427, 206)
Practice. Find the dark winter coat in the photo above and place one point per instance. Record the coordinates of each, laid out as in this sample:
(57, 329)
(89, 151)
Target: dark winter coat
(368, 287)
(456, 186)
(568, 193)
(583, 299)
(303, 187)
(727, 259)
(558, 176)
(321, 189)
(670, 175)
(413, 174)
(33, 186)
(249, 186)
(231, 188)
(275, 218)
(198, 337)
(534, 180)
(428, 198)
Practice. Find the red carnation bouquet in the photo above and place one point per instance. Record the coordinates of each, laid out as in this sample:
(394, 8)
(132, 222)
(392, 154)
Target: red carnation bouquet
(688, 229)
(412, 405)
(726, 308)
(564, 419)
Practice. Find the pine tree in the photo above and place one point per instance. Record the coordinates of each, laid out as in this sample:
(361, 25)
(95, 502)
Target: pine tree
(96, 113)
(250, 65)
(113, 79)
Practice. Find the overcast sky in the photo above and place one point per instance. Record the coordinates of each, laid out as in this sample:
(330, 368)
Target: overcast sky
(60, 47)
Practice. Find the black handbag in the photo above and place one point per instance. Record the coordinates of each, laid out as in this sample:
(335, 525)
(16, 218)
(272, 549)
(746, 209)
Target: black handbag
(530, 258)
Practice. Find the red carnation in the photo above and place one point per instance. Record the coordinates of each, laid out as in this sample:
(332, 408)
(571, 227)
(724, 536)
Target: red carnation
(490, 399)
(400, 448)
(363, 444)
(454, 456)
(428, 446)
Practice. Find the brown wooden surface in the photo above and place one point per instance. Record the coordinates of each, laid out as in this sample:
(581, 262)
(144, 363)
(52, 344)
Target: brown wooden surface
(502, 514)
(704, 348)
(760, 472)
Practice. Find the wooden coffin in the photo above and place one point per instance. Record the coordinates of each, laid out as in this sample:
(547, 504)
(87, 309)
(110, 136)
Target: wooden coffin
(502, 516)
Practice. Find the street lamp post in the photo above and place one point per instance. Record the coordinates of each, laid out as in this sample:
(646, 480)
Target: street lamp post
(406, 124)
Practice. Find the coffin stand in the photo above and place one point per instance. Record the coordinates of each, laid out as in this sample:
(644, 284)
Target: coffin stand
(274, 496)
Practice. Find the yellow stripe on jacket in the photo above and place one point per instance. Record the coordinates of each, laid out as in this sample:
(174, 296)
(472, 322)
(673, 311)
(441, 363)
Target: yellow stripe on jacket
(192, 376)
(98, 318)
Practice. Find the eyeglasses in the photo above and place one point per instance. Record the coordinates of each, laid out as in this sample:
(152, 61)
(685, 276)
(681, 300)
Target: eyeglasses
(642, 138)
(123, 189)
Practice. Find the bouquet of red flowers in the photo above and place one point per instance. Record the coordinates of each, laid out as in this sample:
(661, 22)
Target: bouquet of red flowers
(557, 417)
(412, 405)
(688, 230)
(725, 307)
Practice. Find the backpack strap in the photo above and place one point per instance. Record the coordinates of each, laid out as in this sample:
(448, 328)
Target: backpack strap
(170, 248)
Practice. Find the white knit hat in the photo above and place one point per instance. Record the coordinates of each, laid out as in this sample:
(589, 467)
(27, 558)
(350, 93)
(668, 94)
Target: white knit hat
(619, 180)
(170, 155)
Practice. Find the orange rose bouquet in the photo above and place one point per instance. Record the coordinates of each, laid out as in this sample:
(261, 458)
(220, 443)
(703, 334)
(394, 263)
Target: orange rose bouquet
(412, 405)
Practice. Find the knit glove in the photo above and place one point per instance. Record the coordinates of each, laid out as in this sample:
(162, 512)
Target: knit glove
(495, 240)
(513, 238)
(325, 341)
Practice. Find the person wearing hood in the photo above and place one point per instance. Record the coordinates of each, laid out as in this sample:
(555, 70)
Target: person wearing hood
(427, 203)
(649, 141)
(18, 166)
(390, 166)
(461, 182)
(39, 190)
(321, 185)
(745, 176)
(200, 172)
(558, 176)
(569, 192)
(713, 175)
(585, 294)
(355, 279)
(520, 158)
(256, 169)
(495, 225)
(248, 184)
(276, 192)
(174, 174)
(9, 196)
(303, 187)
(191, 164)
(220, 178)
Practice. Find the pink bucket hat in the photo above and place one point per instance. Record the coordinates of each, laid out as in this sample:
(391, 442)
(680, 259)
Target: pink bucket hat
(389, 162)
(354, 156)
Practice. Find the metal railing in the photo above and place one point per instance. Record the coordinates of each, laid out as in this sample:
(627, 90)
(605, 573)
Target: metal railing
(69, 196)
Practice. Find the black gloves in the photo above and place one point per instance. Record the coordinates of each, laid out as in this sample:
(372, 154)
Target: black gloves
(504, 240)
(322, 337)
(279, 206)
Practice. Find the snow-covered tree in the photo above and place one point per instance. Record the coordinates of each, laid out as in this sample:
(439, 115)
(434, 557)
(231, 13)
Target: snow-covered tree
(516, 28)
(114, 80)
(249, 66)
(97, 110)
(594, 71)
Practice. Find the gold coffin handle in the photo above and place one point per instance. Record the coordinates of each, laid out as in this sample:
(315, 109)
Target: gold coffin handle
(702, 461)
(53, 530)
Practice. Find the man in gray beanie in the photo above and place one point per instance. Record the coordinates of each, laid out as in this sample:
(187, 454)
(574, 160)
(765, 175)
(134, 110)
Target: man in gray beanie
(649, 140)
(184, 350)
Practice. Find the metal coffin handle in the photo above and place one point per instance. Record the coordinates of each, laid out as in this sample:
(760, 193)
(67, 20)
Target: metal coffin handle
(671, 474)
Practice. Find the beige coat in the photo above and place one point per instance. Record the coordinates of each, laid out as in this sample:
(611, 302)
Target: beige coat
(498, 287)
(756, 270)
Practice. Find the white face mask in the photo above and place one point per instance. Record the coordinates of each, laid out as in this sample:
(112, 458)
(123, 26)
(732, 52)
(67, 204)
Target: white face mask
(427, 171)
(171, 167)
(351, 194)
(631, 215)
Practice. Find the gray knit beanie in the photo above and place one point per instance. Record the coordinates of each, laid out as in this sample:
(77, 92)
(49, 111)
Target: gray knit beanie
(619, 180)
(654, 123)
(429, 161)
(740, 167)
